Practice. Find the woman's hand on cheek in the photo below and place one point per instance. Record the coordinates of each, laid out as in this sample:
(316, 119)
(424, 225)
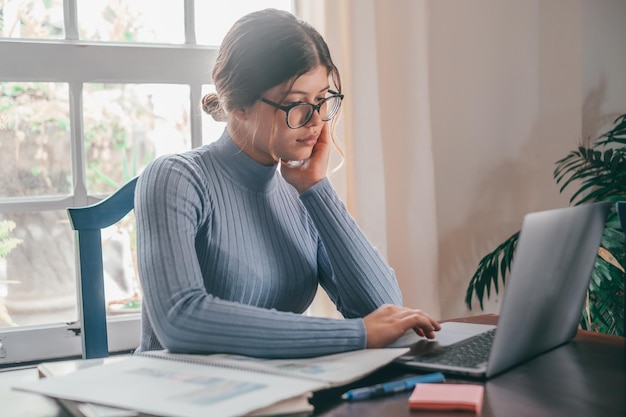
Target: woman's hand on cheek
(312, 170)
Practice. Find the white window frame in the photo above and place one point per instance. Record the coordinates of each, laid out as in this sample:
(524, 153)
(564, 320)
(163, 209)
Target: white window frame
(76, 62)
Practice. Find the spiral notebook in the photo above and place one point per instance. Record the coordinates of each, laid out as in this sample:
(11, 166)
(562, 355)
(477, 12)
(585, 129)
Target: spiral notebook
(180, 385)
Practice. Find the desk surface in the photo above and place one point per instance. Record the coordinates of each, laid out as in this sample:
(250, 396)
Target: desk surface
(586, 377)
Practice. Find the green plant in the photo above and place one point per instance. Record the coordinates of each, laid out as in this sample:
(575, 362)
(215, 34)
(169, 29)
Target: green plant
(599, 172)
(7, 243)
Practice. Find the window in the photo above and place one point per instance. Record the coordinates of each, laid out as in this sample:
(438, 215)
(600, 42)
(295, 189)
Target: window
(93, 91)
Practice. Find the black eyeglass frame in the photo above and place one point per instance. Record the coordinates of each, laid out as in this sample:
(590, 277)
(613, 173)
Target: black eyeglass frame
(315, 107)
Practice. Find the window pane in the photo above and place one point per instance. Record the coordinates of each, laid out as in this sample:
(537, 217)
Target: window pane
(127, 126)
(42, 19)
(37, 272)
(213, 22)
(34, 139)
(131, 21)
(119, 257)
(37, 275)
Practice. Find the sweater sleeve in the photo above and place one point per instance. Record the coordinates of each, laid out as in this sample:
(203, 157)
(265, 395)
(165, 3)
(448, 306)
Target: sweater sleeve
(171, 204)
(354, 274)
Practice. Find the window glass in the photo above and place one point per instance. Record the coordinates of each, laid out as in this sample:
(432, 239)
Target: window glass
(34, 139)
(37, 273)
(212, 24)
(131, 21)
(121, 283)
(127, 126)
(42, 19)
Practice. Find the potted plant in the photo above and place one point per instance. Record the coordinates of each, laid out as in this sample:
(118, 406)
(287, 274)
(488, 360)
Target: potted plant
(598, 171)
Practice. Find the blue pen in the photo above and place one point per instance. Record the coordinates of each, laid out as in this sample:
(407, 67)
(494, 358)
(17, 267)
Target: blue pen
(391, 387)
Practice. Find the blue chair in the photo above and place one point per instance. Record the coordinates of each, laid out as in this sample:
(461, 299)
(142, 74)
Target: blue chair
(88, 223)
(620, 207)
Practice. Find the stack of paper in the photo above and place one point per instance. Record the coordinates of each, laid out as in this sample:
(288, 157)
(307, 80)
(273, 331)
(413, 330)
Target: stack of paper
(165, 384)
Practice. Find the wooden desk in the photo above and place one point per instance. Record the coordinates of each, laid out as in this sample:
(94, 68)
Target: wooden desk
(585, 378)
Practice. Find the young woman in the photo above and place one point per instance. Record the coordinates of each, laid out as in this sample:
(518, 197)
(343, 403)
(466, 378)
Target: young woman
(234, 237)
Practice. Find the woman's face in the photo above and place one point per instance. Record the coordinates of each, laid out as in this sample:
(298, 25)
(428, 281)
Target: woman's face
(263, 122)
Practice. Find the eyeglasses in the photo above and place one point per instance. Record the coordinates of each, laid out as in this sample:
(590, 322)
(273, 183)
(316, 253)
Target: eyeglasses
(299, 114)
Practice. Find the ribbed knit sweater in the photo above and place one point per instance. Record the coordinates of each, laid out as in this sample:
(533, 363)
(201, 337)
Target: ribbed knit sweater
(230, 256)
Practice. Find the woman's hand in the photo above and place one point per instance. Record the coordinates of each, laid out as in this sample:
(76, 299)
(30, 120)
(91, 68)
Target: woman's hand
(312, 170)
(388, 322)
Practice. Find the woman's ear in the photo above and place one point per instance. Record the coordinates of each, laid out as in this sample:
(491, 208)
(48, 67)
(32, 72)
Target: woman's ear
(240, 114)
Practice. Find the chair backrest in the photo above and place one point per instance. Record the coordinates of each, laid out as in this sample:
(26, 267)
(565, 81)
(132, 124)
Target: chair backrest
(88, 223)
(620, 207)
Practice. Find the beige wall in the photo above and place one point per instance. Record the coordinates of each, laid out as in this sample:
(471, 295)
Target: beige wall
(603, 63)
(512, 85)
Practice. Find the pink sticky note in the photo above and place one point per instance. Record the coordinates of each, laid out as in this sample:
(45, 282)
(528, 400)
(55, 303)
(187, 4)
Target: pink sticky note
(467, 397)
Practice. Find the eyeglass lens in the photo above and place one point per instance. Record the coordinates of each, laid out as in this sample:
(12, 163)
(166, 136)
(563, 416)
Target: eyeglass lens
(300, 115)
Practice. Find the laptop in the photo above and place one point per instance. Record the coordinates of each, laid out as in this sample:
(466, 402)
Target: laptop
(542, 302)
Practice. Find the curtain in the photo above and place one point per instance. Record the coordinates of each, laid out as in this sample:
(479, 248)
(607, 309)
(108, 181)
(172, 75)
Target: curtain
(387, 176)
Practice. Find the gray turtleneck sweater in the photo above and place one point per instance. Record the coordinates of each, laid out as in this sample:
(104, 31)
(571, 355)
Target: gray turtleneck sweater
(230, 256)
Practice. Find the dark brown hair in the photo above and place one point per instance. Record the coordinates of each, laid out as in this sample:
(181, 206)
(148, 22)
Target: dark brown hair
(264, 49)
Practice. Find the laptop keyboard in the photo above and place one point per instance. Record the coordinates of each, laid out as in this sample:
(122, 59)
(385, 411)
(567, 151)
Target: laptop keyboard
(468, 353)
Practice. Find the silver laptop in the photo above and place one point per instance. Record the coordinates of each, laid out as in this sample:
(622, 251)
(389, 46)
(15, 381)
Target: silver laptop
(542, 302)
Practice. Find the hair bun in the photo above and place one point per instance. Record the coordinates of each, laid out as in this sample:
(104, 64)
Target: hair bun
(212, 106)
